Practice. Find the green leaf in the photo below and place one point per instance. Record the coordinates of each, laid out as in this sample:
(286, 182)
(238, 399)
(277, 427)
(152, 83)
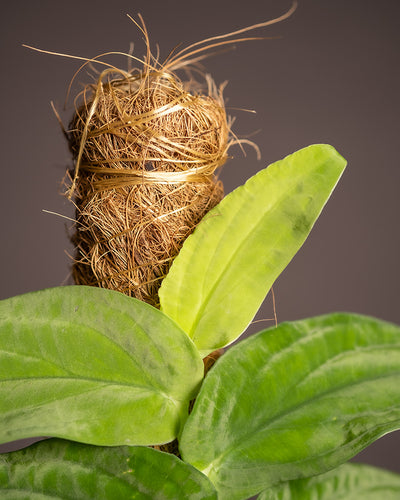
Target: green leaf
(64, 470)
(347, 482)
(294, 401)
(225, 269)
(95, 366)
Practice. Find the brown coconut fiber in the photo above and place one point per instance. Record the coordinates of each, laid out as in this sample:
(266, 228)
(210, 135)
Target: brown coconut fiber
(147, 146)
(146, 178)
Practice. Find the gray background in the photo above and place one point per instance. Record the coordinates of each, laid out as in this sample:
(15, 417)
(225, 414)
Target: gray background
(332, 76)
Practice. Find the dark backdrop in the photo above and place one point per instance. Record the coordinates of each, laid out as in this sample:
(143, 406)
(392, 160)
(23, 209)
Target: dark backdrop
(332, 76)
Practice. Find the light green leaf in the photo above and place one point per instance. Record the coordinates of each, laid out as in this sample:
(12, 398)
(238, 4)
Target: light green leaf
(347, 482)
(294, 401)
(225, 269)
(64, 470)
(95, 366)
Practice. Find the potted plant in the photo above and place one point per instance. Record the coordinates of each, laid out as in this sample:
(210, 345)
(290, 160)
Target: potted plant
(125, 387)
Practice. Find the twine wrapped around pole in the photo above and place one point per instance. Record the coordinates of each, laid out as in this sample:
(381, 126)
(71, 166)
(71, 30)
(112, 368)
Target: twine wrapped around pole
(146, 151)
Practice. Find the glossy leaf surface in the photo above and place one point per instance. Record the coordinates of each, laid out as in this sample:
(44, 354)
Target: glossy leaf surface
(226, 267)
(66, 470)
(347, 482)
(95, 366)
(294, 401)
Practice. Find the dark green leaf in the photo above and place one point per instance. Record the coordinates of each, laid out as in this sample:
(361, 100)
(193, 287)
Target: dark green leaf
(64, 470)
(93, 365)
(347, 482)
(294, 401)
(225, 269)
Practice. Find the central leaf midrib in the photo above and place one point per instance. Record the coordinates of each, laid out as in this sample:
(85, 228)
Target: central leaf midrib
(98, 384)
(112, 341)
(66, 397)
(82, 467)
(79, 378)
